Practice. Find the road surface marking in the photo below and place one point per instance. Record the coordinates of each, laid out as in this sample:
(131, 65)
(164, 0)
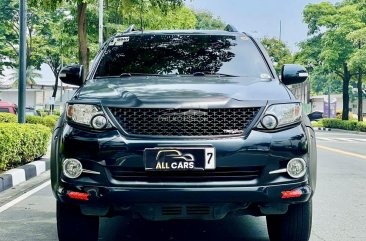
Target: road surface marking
(23, 197)
(342, 152)
(344, 139)
(340, 139)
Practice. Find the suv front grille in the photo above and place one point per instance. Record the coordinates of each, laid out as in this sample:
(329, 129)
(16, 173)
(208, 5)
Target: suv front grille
(185, 122)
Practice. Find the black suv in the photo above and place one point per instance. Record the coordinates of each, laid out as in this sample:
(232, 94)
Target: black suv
(183, 125)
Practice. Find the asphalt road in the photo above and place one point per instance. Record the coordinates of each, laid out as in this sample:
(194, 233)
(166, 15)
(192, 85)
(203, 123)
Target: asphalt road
(339, 207)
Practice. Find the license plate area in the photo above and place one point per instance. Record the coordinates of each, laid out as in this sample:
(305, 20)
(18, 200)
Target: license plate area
(180, 159)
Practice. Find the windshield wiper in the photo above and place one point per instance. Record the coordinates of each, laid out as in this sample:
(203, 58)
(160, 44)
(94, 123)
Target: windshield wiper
(124, 75)
(213, 74)
(139, 74)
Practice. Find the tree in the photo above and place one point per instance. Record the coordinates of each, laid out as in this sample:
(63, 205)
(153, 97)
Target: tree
(56, 34)
(9, 25)
(81, 16)
(31, 75)
(278, 51)
(150, 17)
(206, 20)
(332, 23)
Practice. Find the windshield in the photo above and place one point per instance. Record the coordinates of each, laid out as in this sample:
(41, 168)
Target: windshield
(181, 54)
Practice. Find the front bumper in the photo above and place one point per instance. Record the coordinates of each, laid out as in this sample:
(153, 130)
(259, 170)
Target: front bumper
(105, 151)
(214, 202)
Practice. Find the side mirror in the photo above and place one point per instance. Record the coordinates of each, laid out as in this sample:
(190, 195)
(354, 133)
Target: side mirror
(72, 74)
(293, 74)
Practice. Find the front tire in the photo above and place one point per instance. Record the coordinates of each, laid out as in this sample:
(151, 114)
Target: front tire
(295, 225)
(72, 225)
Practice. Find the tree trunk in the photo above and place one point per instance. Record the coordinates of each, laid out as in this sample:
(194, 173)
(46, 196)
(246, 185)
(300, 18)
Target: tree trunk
(346, 79)
(56, 86)
(359, 90)
(82, 36)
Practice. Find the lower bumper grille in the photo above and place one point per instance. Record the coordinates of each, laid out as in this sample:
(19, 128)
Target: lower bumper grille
(185, 210)
(220, 174)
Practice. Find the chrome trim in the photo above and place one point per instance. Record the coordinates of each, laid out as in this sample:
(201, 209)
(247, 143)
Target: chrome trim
(90, 172)
(284, 170)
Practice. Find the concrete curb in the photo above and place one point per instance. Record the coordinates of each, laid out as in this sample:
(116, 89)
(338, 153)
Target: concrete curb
(23, 173)
(322, 129)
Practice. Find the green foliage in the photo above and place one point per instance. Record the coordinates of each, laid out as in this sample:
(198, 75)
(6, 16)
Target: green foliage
(22, 143)
(8, 118)
(49, 121)
(206, 20)
(278, 51)
(345, 125)
(336, 47)
(31, 75)
(317, 123)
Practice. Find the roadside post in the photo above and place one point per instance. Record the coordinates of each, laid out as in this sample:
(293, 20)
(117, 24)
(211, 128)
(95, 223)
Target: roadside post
(22, 60)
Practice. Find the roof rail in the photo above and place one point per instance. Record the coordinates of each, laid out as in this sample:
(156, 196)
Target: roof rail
(132, 28)
(231, 28)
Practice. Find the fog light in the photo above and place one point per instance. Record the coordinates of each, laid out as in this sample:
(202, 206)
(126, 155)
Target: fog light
(72, 168)
(296, 168)
(269, 122)
(99, 122)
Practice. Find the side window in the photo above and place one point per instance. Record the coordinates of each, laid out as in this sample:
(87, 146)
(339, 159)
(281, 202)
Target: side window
(6, 110)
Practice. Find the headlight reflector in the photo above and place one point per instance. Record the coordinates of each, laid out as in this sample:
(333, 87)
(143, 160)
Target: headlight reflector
(269, 122)
(99, 122)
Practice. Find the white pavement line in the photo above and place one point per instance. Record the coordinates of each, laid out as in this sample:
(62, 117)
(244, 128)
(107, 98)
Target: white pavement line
(40, 166)
(362, 140)
(323, 139)
(18, 175)
(23, 197)
(344, 139)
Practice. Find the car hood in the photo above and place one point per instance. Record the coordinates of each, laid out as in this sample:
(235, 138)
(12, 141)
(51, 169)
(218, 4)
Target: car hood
(144, 90)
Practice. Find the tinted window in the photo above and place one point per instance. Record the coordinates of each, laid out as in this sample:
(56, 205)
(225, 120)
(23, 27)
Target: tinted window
(182, 54)
(4, 110)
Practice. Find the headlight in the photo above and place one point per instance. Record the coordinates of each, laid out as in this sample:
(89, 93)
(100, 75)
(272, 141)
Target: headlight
(281, 115)
(87, 115)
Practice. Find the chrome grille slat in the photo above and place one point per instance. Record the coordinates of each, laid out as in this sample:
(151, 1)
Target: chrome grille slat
(184, 122)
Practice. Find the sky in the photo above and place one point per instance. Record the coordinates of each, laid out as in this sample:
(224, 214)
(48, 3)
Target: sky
(261, 18)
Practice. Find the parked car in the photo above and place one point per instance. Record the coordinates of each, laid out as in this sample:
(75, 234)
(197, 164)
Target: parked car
(31, 111)
(183, 125)
(8, 107)
(315, 116)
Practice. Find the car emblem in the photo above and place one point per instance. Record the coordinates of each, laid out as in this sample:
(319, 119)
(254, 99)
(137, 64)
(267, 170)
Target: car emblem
(234, 131)
(187, 116)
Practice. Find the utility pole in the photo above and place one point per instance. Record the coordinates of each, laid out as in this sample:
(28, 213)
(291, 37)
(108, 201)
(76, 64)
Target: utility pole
(101, 23)
(280, 30)
(329, 116)
(22, 60)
